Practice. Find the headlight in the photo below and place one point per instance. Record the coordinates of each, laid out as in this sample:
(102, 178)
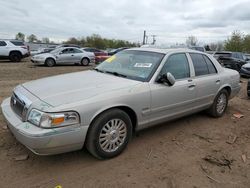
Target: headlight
(52, 120)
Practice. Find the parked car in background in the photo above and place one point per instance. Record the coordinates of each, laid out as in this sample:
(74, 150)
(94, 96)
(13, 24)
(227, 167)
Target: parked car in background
(232, 60)
(41, 50)
(198, 48)
(13, 50)
(68, 45)
(63, 55)
(101, 108)
(245, 70)
(247, 58)
(114, 51)
(100, 55)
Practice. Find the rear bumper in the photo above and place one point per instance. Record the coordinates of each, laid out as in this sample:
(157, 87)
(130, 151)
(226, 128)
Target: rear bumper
(26, 55)
(44, 141)
(235, 91)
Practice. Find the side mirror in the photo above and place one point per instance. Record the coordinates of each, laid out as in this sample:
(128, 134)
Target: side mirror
(167, 79)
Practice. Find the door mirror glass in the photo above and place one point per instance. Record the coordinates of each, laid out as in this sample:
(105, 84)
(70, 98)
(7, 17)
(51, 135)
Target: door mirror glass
(167, 78)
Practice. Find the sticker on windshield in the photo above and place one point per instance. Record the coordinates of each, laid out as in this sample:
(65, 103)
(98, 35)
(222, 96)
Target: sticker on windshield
(143, 65)
(112, 58)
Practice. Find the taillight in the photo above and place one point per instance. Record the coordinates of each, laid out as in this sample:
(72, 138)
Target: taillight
(24, 47)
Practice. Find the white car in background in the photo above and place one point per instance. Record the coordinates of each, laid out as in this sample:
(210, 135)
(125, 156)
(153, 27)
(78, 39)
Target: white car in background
(13, 50)
(64, 55)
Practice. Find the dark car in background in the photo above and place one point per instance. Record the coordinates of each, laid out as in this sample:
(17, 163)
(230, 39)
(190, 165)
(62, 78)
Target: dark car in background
(114, 51)
(100, 55)
(232, 60)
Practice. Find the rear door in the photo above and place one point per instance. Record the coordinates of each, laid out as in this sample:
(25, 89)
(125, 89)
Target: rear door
(206, 79)
(78, 55)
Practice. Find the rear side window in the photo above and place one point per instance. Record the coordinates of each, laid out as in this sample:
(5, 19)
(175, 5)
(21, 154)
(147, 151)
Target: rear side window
(177, 65)
(210, 65)
(17, 43)
(200, 65)
(77, 51)
(2, 43)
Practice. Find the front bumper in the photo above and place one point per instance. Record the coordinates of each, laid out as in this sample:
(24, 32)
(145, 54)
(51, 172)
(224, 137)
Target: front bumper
(44, 141)
(37, 61)
(244, 72)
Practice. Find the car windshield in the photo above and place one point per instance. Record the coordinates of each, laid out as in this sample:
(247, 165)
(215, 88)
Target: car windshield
(132, 64)
(55, 51)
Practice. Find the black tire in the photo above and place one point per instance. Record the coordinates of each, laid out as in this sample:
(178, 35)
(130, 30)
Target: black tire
(85, 61)
(15, 56)
(213, 110)
(99, 127)
(50, 62)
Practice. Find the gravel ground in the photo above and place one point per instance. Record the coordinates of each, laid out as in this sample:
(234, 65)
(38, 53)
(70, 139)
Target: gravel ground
(195, 151)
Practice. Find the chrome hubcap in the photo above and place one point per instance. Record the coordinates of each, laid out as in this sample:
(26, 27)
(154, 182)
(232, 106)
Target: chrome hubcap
(112, 135)
(221, 103)
(85, 62)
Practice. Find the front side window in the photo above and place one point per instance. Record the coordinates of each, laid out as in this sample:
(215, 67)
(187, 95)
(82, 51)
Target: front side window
(200, 65)
(177, 65)
(132, 64)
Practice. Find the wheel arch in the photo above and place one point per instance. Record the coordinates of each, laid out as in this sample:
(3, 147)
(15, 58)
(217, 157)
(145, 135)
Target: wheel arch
(131, 113)
(85, 57)
(50, 58)
(227, 87)
(15, 51)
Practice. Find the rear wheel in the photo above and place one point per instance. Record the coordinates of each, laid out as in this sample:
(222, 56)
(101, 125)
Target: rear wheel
(85, 62)
(15, 56)
(109, 134)
(50, 62)
(220, 104)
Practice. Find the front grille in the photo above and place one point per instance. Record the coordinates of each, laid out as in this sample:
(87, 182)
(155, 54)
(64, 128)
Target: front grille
(17, 105)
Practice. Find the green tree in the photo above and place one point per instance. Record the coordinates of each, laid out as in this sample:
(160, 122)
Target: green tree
(235, 42)
(246, 44)
(20, 36)
(32, 38)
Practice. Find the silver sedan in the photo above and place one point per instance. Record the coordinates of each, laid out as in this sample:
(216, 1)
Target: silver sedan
(130, 91)
(64, 55)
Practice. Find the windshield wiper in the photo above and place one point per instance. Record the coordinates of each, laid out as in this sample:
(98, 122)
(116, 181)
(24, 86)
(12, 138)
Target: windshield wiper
(98, 70)
(116, 74)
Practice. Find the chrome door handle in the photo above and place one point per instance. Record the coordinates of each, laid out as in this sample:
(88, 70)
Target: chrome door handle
(217, 81)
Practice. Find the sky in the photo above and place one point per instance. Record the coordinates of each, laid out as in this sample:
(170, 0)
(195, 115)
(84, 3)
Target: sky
(172, 21)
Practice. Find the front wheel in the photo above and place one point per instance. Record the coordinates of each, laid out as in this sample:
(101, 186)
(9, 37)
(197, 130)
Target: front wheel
(50, 62)
(220, 104)
(109, 134)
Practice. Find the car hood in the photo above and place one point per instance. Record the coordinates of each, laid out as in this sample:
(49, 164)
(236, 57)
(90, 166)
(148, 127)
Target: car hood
(74, 87)
(43, 55)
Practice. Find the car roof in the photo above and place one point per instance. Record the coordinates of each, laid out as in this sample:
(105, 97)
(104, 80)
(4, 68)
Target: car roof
(166, 50)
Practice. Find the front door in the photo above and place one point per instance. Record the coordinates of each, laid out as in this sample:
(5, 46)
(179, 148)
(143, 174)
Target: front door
(172, 101)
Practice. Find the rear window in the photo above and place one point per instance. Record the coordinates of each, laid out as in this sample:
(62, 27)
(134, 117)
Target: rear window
(2, 43)
(17, 43)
